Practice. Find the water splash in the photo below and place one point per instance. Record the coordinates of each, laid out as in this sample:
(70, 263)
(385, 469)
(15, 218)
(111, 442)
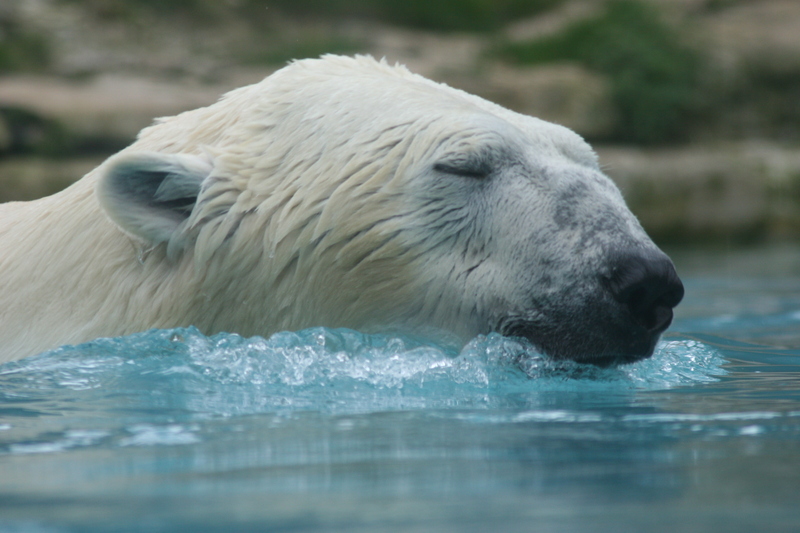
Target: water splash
(331, 370)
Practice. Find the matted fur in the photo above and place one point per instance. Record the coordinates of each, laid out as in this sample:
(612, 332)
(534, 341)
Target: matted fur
(339, 192)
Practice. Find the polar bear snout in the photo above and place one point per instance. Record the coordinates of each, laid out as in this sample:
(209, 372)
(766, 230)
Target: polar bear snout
(643, 289)
(618, 318)
(647, 284)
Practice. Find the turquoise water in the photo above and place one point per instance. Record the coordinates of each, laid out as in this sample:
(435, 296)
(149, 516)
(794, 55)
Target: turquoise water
(331, 430)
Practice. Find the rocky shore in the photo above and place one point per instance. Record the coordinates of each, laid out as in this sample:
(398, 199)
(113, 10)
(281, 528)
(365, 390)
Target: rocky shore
(735, 175)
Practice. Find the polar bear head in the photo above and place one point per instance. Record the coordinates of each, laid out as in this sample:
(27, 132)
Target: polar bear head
(345, 192)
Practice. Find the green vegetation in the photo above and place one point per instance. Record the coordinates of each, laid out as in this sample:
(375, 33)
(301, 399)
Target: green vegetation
(128, 10)
(443, 15)
(20, 50)
(446, 15)
(24, 132)
(767, 100)
(654, 77)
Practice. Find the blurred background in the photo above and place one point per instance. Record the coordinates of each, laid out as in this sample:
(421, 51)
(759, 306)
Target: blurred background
(692, 105)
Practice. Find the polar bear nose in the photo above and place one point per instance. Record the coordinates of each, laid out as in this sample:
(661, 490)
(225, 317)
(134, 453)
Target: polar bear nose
(648, 285)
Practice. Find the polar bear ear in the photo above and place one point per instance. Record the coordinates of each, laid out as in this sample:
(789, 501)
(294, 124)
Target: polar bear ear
(149, 194)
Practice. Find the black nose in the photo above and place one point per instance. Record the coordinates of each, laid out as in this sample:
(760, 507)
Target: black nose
(646, 282)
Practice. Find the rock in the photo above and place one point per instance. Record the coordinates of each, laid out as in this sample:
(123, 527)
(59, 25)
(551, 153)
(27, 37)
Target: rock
(563, 93)
(740, 191)
(427, 53)
(110, 106)
(765, 34)
(554, 21)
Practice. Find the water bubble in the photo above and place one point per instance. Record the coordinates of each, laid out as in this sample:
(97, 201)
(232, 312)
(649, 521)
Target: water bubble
(336, 369)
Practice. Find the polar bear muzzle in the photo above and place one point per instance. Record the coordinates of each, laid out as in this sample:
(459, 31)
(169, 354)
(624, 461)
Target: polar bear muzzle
(618, 325)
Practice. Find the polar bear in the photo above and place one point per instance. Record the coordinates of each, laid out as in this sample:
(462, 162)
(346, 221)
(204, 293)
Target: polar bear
(340, 192)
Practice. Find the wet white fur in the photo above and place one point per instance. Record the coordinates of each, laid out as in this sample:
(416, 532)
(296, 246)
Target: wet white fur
(318, 205)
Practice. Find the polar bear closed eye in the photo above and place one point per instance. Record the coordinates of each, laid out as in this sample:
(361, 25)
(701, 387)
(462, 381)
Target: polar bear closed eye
(340, 192)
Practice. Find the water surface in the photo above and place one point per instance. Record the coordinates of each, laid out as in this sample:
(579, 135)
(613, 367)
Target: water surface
(331, 430)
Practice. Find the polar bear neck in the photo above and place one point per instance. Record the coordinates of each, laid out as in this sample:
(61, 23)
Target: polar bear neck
(64, 298)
